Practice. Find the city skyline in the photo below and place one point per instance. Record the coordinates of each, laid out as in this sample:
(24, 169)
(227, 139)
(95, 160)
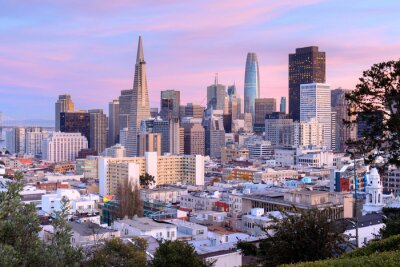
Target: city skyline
(88, 52)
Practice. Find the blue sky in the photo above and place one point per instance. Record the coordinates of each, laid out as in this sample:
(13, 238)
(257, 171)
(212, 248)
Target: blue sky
(88, 48)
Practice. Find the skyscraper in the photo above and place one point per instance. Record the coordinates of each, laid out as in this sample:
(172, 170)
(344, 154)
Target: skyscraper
(76, 122)
(307, 65)
(98, 130)
(140, 109)
(251, 83)
(282, 106)
(169, 104)
(113, 123)
(125, 107)
(315, 103)
(63, 104)
(279, 129)
(263, 106)
(194, 111)
(339, 105)
(216, 95)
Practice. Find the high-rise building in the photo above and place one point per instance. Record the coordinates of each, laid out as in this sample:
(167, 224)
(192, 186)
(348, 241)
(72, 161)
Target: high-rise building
(33, 140)
(140, 105)
(149, 142)
(194, 111)
(170, 104)
(60, 147)
(216, 96)
(251, 83)
(63, 104)
(125, 107)
(214, 133)
(194, 135)
(308, 133)
(98, 130)
(263, 106)
(113, 123)
(279, 129)
(1, 126)
(282, 106)
(306, 66)
(123, 136)
(162, 127)
(315, 103)
(234, 103)
(340, 105)
(153, 112)
(75, 122)
(15, 140)
(176, 135)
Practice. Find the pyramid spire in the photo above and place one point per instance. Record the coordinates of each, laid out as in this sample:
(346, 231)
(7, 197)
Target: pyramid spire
(140, 54)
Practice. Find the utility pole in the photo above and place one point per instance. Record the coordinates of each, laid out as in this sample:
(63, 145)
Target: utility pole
(355, 196)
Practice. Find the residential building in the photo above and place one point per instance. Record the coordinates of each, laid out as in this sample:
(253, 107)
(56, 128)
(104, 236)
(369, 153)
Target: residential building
(170, 169)
(116, 151)
(145, 226)
(33, 140)
(63, 146)
(15, 140)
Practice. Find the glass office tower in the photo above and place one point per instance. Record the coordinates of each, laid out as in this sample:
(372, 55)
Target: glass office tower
(251, 83)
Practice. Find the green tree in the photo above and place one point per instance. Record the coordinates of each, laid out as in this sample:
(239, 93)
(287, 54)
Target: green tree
(375, 103)
(304, 236)
(60, 251)
(392, 222)
(19, 228)
(146, 180)
(116, 253)
(178, 254)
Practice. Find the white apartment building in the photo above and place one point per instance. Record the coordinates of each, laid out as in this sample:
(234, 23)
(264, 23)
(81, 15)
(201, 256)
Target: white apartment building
(308, 133)
(145, 226)
(78, 204)
(60, 147)
(200, 200)
(116, 151)
(315, 103)
(168, 169)
(163, 194)
(260, 149)
(33, 142)
(189, 229)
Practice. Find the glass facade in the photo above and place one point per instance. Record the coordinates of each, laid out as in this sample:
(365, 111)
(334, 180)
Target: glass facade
(251, 83)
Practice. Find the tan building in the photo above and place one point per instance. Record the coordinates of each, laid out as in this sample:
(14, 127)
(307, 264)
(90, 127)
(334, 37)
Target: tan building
(271, 176)
(231, 152)
(170, 169)
(194, 135)
(340, 205)
(149, 142)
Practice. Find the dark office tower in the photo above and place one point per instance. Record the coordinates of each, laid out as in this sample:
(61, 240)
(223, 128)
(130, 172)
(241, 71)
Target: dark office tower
(231, 90)
(75, 122)
(194, 111)
(113, 123)
(282, 106)
(140, 105)
(251, 83)
(170, 101)
(98, 130)
(63, 104)
(307, 65)
(263, 106)
(154, 112)
(125, 105)
(162, 127)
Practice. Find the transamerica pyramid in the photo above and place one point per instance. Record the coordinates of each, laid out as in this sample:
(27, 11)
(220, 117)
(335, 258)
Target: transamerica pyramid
(140, 109)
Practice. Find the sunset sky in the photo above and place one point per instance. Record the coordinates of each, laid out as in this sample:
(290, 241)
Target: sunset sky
(87, 48)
